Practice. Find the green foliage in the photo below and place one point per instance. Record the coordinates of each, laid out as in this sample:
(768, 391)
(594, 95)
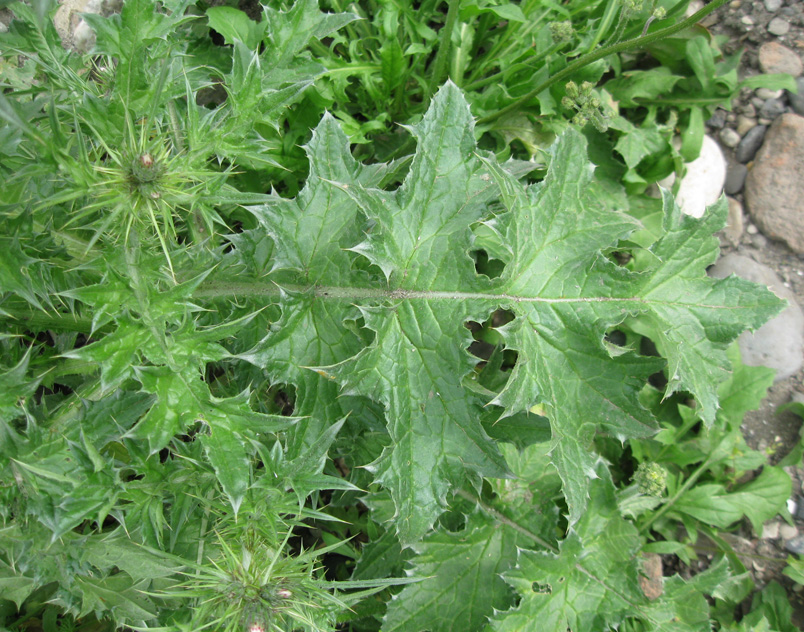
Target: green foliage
(270, 368)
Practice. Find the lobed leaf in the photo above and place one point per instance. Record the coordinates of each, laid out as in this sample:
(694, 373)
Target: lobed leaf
(564, 292)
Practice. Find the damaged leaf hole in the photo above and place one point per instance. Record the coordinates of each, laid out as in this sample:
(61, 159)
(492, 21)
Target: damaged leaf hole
(496, 362)
(487, 265)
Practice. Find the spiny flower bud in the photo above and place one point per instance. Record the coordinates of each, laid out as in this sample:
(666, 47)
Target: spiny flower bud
(572, 90)
(632, 6)
(659, 13)
(651, 479)
(561, 31)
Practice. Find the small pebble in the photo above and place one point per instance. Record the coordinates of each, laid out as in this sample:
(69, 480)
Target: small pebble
(787, 531)
(758, 101)
(747, 20)
(734, 222)
(772, 108)
(718, 119)
(745, 123)
(735, 178)
(759, 241)
(797, 100)
(748, 109)
(778, 26)
(750, 144)
(729, 137)
(770, 530)
(773, 5)
(751, 229)
(765, 121)
(767, 93)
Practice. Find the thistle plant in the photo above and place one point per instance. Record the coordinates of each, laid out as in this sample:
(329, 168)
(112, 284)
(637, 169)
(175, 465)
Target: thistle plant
(239, 389)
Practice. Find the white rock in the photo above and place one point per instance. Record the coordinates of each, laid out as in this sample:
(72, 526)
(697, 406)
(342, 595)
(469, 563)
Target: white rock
(770, 530)
(767, 93)
(703, 180)
(787, 532)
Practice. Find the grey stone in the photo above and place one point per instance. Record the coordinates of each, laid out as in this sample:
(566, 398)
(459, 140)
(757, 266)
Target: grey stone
(759, 241)
(776, 58)
(729, 137)
(718, 119)
(779, 343)
(750, 143)
(772, 108)
(797, 100)
(774, 187)
(778, 26)
(773, 6)
(735, 178)
(796, 545)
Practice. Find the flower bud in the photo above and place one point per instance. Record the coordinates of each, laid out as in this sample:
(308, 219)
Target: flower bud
(561, 31)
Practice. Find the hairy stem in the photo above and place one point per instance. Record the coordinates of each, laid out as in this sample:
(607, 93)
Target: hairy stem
(440, 63)
(687, 484)
(39, 321)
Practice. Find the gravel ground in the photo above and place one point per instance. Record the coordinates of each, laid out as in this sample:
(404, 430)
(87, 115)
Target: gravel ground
(750, 26)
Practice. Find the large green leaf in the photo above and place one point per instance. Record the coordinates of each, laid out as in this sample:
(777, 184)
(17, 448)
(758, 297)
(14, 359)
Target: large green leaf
(564, 292)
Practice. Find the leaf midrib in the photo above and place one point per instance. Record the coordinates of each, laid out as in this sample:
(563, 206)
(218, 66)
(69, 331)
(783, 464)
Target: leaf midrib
(222, 289)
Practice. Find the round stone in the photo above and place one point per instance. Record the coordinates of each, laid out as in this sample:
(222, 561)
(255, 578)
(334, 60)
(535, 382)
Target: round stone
(775, 58)
(729, 137)
(778, 26)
